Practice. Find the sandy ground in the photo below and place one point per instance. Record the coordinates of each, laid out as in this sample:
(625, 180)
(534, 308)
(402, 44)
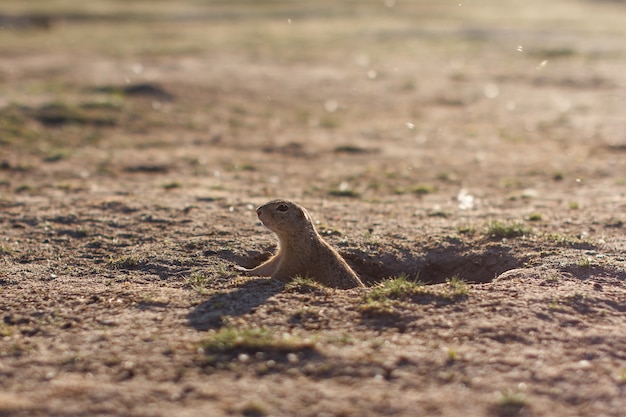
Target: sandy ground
(479, 150)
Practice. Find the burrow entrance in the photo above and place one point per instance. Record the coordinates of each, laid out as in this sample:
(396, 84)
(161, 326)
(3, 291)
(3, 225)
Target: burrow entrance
(478, 264)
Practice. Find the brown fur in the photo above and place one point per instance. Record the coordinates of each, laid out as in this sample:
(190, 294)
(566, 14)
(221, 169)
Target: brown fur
(302, 251)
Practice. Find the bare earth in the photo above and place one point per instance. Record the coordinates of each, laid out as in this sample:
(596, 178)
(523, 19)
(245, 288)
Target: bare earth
(476, 147)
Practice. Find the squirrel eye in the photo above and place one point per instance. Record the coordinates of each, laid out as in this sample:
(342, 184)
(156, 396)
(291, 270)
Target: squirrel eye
(282, 207)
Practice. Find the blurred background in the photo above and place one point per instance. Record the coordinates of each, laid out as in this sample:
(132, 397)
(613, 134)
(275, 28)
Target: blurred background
(359, 98)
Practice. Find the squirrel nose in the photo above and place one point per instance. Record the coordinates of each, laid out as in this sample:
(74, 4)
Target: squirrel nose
(258, 211)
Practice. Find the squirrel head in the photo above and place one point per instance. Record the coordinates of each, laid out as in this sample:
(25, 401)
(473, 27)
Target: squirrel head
(285, 217)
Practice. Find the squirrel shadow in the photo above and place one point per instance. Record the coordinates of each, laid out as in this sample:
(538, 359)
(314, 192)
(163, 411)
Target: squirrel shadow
(242, 300)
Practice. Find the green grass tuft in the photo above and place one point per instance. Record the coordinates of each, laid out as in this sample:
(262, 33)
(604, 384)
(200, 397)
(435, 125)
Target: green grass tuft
(381, 299)
(253, 339)
(466, 230)
(453, 355)
(498, 229)
(124, 262)
(510, 403)
(6, 250)
(457, 286)
(303, 285)
(198, 281)
(171, 185)
(395, 288)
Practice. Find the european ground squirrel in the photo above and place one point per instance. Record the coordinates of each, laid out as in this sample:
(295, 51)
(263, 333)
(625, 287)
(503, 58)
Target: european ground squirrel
(302, 251)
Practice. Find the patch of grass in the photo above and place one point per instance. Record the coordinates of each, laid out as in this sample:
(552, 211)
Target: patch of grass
(60, 113)
(439, 213)
(466, 230)
(14, 127)
(6, 250)
(343, 339)
(510, 403)
(56, 155)
(5, 330)
(408, 85)
(446, 177)
(554, 277)
(511, 183)
(457, 286)
(171, 185)
(423, 189)
(380, 300)
(573, 205)
(553, 53)
(245, 167)
(15, 350)
(500, 230)
(253, 339)
(419, 190)
(226, 272)
(198, 281)
(329, 122)
(124, 262)
(351, 149)
(66, 186)
(81, 233)
(238, 109)
(304, 313)
(378, 308)
(584, 262)
(24, 188)
(394, 288)
(535, 217)
(303, 285)
(570, 241)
